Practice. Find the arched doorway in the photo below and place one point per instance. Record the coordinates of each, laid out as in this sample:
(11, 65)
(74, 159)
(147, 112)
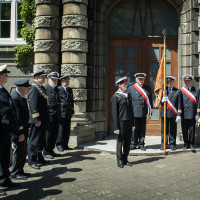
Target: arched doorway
(136, 45)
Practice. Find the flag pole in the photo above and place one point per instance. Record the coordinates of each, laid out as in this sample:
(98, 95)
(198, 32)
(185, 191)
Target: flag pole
(164, 32)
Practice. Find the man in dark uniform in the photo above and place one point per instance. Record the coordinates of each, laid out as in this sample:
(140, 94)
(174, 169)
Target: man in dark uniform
(20, 148)
(39, 118)
(188, 110)
(171, 100)
(8, 130)
(67, 111)
(142, 104)
(122, 118)
(54, 112)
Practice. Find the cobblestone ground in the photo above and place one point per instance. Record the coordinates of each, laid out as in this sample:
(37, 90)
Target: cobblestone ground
(82, 174)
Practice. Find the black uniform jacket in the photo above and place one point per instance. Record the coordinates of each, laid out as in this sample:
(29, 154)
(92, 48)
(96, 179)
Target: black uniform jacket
(186, 108)
(22, 113)
(173, 98)
(121, 109)
(66, 102)
(54, 102)
(138, 102)
(38, 105)
(8, 115)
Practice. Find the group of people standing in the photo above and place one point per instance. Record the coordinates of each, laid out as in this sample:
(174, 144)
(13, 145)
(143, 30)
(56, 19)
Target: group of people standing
(34, 119)
(132, 105)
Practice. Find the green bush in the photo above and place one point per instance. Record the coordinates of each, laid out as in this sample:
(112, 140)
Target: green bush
(28, 11)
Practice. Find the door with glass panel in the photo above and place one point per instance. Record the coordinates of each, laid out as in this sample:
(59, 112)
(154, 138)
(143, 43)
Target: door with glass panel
(130, 56)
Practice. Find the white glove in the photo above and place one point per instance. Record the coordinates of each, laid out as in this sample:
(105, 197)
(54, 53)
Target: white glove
(116, 132)
(164, 99)
(133, 128)
(196, 117)
(178, 119)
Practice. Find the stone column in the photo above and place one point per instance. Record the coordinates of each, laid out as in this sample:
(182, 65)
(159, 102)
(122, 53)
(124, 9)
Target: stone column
(74, 47)
(47, 44)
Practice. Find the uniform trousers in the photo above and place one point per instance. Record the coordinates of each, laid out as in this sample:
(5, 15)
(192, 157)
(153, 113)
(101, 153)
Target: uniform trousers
(188, 130)
(36, 144)
(124, 141)
(171, 126)
(64, 132)
(18, 156)
(5, 146)
(138, 135)
(51, 136)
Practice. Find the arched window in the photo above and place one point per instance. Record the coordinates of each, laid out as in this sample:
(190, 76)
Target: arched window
(143, 18)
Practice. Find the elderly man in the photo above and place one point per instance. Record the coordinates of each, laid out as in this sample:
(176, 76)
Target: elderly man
(188, 110)
(122, 118)
(67, 111)
(54, 112)
(8, 129)
(20, 147)
(142, 104)
(39, 118)
(171, 100)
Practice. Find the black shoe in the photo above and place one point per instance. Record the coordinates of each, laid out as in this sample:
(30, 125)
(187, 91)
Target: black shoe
(192, 147)
(35, 166)
(173, 147)
(186, 147)
(120, 164)
(48, 156)
(2, 193)
(55, 154)
(44, 162)
(132, 147)
(128, 163)
(10, 184)
(161, 148)
(26, 174)
(67, 148)
(60, 148)
(19, 176)
(142, 148)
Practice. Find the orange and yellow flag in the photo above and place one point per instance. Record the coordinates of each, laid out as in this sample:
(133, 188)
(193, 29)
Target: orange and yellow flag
(158, 90)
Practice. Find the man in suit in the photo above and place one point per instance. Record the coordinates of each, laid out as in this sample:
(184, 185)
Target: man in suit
(67, 112)
(122, 118)
(188, 110)
(20, 148)
(8, 130)
(54, 112)
(171, 100)
(142, 105)
(39, 118)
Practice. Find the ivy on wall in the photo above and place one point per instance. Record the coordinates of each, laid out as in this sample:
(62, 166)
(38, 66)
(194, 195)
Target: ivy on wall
(28, 12)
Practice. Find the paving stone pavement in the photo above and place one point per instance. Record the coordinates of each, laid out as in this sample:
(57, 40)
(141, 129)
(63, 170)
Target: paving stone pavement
(88, 174)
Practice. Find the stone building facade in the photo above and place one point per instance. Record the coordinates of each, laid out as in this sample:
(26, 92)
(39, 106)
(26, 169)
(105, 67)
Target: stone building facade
(74, 37)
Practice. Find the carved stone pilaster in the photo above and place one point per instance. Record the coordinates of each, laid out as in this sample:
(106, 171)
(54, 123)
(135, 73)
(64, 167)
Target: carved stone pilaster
(74, 45)
(74, 69)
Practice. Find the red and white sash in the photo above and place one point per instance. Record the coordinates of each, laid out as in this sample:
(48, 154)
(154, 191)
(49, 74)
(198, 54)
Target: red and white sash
(171, 107)
(189, 94)
(144, 94)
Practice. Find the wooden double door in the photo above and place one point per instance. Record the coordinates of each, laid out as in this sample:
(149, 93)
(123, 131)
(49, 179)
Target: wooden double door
(128, 56)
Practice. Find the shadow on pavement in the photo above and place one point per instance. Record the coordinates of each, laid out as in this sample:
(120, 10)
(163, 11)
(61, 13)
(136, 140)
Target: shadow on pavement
(148, 160)
(47, 180)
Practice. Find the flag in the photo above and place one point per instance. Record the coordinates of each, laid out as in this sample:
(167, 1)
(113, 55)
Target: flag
(158, 90)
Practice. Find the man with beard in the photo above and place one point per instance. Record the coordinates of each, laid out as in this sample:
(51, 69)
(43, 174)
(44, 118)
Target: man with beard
(122, 118)
(54, 113)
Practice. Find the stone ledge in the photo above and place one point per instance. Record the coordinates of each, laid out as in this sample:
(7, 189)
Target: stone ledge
(47, 22)
(80, 21)
(75, 1)
(74, 45)
(51, 2)
(46, 46)
(74, 69)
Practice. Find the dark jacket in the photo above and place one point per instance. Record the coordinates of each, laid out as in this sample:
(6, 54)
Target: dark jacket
(8, 115)
(138, 102)
(54, 102)
(173, 98)
(66, 102)
(22, 113)
(186, 108)
(38, 105)
(121, 109)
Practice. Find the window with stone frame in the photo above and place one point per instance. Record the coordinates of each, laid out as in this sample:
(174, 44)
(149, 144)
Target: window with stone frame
(10, 22)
